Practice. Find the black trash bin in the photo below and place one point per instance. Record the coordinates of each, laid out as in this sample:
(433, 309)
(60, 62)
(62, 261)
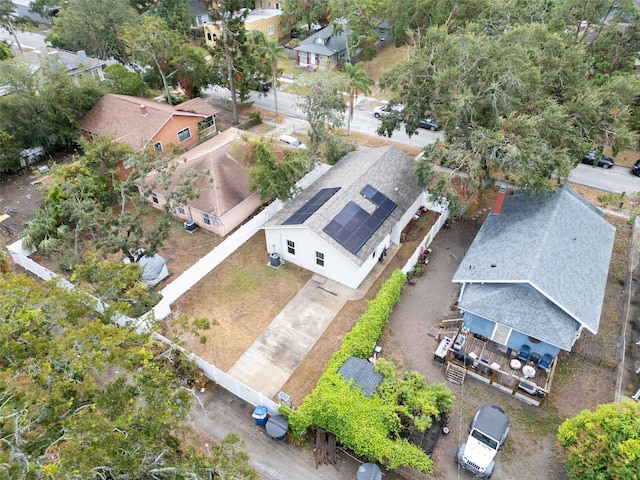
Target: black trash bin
(274, 259)
(277, 427)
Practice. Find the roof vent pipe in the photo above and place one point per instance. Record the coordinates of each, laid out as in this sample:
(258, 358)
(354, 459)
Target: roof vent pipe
(497, 208)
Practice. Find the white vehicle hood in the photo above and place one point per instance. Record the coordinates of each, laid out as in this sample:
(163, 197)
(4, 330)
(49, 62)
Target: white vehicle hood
(478, 453)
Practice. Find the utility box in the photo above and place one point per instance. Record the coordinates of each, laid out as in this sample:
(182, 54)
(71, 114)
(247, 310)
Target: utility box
(190, 225)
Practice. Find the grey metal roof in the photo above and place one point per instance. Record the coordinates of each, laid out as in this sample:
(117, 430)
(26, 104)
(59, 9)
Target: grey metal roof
(331, 43)
(387, 169)
(523, 309)
(362, 373)
(558, 243)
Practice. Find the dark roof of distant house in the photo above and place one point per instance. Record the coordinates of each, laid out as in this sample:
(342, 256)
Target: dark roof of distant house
(362, 373)
(329, 43)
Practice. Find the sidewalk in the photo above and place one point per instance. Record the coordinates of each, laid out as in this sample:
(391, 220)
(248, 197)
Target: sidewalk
(269, 362)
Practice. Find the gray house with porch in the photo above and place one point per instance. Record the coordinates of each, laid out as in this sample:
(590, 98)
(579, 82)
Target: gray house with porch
(535, 275)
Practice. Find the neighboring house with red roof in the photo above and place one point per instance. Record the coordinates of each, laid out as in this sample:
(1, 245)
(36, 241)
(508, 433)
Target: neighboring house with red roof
(225, 200)
(142, 123)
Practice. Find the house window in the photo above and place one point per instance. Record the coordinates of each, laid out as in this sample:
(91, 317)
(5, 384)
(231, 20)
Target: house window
(270, 29)
(302, 57)
(184, 134)
(206, 219)
(157, 147)
(154, 198)
(320, 259)
(291, 247)
(277, 6)
(268, 4)
(206, 123)
(209, 37)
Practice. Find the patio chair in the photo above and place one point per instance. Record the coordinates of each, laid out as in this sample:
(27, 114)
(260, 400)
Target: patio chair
(546, 361)
(535, 358)
(524, 353)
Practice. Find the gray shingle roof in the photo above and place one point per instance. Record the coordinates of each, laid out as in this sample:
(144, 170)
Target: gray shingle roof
(557, 243)
(362, 373)
(331, 43)
(387, 169)
(523, 309)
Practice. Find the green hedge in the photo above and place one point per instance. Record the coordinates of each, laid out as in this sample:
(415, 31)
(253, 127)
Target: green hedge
(370, 427)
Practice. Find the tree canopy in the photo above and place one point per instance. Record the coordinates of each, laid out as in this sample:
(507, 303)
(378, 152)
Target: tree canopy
(603, 445)
(519, 103)
(81, 398)
(93, 26)
(43, 108)
(323, 106)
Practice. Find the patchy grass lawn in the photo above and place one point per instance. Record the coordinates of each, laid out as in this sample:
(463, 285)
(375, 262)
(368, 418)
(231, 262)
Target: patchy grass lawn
(240, 298)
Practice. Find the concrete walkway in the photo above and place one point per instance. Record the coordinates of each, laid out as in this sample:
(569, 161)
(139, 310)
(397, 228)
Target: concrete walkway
(269, 362)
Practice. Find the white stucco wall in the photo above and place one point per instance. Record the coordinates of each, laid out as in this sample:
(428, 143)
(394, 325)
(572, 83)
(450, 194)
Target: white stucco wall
(336, 266)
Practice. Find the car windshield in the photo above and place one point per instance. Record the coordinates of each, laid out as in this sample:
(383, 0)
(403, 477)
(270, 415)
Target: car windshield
(296, 143)
(482, 438)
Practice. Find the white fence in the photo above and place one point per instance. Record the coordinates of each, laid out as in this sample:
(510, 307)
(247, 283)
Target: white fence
(182, 284)
(444, 215)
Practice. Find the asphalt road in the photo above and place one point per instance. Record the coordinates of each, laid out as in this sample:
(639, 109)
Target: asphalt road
(617, 179)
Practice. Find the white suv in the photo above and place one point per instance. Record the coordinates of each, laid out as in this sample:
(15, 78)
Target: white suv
(487, 434)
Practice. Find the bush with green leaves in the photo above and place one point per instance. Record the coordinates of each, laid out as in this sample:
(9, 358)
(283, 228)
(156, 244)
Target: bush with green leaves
(372, 426)
(603, 445)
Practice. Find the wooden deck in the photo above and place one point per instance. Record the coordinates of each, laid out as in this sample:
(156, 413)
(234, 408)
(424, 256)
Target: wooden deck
(489, 362)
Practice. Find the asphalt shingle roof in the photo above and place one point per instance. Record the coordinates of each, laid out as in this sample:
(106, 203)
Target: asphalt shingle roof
(557, 243)
(226, 183)
(387, 169)
(121, 116)
(362, 373)
(329, 45)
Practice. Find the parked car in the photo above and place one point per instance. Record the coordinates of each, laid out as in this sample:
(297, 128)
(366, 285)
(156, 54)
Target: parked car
(263, 86)
(293, 141)
(429, 123)
(635, 168)
(386, 110)
(603, 160)
(487, 433)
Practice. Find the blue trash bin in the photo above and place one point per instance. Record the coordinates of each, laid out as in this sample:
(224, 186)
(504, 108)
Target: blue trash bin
(260, 415)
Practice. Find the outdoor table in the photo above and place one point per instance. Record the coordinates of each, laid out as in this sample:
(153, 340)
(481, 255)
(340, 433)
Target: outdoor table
(515, 364)
(528, 371)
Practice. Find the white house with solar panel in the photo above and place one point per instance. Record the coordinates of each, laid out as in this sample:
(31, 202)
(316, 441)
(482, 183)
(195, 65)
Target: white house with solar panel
(341, 225)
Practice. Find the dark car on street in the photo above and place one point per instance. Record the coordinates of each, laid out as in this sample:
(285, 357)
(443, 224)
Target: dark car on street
(263, 86)
(428, 123)
(635, 168)
(603, 160)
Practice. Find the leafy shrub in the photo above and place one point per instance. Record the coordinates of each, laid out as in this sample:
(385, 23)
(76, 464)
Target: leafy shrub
(371, 427)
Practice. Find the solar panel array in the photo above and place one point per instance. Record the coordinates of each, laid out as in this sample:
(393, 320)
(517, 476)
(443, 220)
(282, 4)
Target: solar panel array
(311, 206)
(353, 226)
